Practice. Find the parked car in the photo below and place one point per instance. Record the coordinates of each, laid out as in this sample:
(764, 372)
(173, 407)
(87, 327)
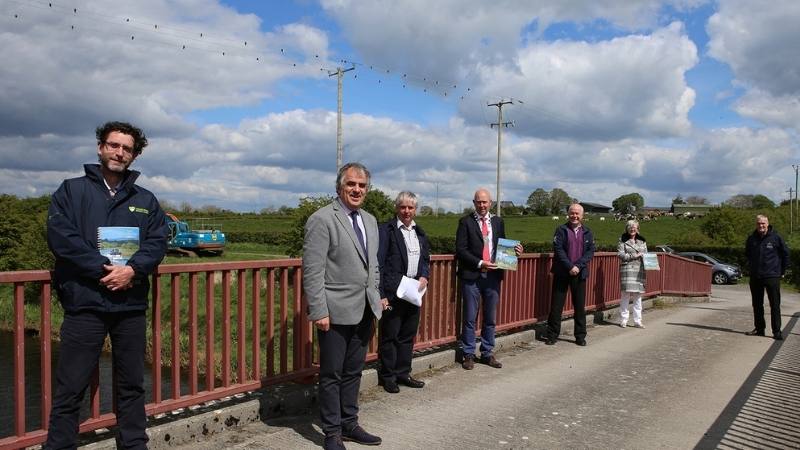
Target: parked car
(721, 273)
(664, 249)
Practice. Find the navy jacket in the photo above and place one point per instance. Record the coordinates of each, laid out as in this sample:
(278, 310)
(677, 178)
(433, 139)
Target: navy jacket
(393, 257)
(77, 208)
(767, 255)
(561, 262)
(469, 245)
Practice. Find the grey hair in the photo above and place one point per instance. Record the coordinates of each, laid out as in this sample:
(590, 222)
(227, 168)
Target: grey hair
(761, 216)
(629, 224)
(405, 195)
(351, 165)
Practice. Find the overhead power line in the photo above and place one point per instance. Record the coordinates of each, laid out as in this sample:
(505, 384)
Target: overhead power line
(142, 30)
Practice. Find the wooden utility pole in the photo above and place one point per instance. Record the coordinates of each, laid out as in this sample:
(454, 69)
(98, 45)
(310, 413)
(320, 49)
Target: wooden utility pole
(791, 213)
(500, 124)
(796, 167)
(436, 211)
(339, 145)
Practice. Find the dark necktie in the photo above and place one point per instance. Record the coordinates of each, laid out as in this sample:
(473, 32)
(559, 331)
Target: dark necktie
(357, 229)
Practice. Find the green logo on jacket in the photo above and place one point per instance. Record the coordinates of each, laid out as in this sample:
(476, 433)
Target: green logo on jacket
(138, 210)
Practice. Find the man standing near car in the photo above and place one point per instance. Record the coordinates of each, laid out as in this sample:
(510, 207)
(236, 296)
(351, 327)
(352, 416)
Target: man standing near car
(768, 257)
(99, 298)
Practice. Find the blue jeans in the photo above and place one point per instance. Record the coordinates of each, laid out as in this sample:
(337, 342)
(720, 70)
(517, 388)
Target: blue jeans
(488, 287)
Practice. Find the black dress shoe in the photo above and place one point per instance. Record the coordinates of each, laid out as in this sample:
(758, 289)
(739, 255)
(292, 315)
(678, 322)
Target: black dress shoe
(581, 342)
(411, 382)
(359, 436)
(390, 386)
(550, 341)
(777, 336)
(333, 442)
(491, 362)
(755, 332)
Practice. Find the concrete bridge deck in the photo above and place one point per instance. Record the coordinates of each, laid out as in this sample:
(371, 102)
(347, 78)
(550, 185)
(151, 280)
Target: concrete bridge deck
(691, 379)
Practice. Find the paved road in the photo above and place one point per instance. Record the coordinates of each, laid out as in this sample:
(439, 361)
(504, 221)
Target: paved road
(690, 380)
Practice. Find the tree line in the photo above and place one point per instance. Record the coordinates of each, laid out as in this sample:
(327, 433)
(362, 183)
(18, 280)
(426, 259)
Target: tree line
(23, 240)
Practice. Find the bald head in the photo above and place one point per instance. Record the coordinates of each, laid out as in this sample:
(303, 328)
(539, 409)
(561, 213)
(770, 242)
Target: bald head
(482, 201)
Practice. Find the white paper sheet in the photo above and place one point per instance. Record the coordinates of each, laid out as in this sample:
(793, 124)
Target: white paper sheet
(409, 291)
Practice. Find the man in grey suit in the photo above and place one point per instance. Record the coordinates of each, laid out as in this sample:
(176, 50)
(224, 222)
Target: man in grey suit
(340, 280)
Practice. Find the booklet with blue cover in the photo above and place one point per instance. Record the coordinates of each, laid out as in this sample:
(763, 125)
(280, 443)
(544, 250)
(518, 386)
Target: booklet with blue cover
(506, 255)
(118, 244)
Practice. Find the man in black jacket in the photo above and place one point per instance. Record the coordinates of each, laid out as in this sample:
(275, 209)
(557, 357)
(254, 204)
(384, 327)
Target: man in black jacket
(768, 257)
(573, 248)
(403, 252)
(476, 246)
(100, 298)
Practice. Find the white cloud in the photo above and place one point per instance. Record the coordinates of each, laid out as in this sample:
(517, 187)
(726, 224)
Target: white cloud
(68, 69)
(782, 111)
(631, 86)
(445, 39)
(600, 118)
(758, 42)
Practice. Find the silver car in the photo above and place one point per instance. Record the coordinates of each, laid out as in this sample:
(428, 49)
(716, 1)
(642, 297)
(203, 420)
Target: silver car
(721, 273)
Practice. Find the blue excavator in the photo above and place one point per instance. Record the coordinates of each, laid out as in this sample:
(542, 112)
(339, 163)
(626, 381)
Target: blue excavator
(205, 241)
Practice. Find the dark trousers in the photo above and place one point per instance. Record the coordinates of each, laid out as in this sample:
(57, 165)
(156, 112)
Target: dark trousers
(578, 289)
(398, 328)
(342, 351)
(82, 336)
(487, 286)
(773, 287)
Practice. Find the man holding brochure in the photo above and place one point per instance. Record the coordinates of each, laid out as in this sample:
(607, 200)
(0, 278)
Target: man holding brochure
(404, 259)
(100, 297)
(476, 246)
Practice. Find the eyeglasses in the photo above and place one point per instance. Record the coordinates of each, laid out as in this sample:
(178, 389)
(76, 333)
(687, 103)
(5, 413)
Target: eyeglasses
(117, 145)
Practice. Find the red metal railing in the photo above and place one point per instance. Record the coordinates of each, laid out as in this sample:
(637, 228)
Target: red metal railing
(274, 342)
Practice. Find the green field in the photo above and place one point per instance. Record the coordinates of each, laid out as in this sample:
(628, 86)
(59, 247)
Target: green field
(242, 222)
(523, 228)
(528, 229)
(540, 229)
(241, 251)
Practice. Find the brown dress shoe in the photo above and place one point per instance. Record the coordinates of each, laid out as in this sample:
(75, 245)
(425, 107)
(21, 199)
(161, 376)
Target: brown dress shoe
(491, 362)
(468, 363)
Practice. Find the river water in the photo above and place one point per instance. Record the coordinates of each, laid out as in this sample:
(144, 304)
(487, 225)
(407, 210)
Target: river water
(33, 383)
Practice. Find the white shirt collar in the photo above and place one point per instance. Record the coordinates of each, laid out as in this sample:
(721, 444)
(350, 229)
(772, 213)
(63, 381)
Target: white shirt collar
(400, 224)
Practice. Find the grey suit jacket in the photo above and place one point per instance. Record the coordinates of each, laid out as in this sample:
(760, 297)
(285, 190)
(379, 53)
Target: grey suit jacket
(338, 278)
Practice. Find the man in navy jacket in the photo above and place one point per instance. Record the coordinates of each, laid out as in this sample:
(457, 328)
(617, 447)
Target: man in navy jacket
(100, 298)
(476, 247)
(768, 257)
(573, 248)
(403, 252)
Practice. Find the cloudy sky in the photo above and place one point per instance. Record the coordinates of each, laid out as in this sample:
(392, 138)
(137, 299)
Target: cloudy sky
(609, 97)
